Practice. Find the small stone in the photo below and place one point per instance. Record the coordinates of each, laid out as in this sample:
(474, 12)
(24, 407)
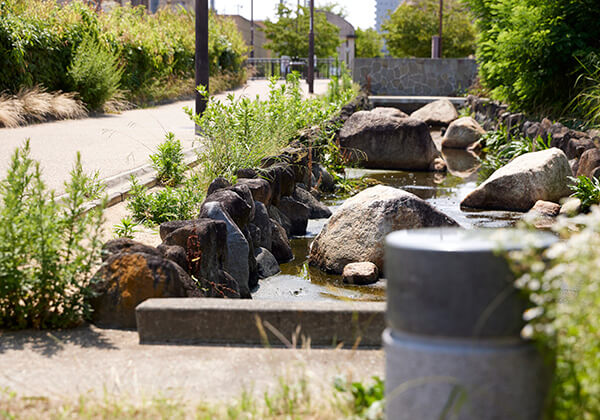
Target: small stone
(360, 273)
(571, 207)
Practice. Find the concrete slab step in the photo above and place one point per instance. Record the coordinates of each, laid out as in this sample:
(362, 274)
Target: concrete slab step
(260, 323)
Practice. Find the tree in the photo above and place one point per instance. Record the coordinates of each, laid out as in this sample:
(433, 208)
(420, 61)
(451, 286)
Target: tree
(289, 35)
(530, 50)
(409, 29)
(369, 43)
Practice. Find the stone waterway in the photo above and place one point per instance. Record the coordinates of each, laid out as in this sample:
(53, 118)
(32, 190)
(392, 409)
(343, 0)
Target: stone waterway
(299, 281)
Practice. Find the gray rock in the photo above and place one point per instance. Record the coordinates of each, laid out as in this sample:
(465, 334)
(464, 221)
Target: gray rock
(543, 214)
(236, 262)
(462, 133)
(360, 273)
(525, 180)
(323, 180)
(379, 141)
(297, 213)
(263, 222)
(589, 163)
(356, 231)
(259, 188)
(280, 247)
(316, 209)
(282, 219)
(266, 262)
(440, 112)
(389, 111)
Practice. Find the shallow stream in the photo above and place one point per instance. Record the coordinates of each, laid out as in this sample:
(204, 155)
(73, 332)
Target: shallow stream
(299, 281)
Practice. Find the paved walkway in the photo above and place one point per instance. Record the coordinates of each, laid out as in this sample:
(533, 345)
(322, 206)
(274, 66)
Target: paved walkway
(111, 144)
(92, 361)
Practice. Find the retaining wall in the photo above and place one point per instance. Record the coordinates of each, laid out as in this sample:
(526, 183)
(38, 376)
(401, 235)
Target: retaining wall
(415, 76)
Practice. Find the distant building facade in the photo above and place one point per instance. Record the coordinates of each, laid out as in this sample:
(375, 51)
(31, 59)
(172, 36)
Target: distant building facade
(245, 27)
(345, 52)
(382, 10)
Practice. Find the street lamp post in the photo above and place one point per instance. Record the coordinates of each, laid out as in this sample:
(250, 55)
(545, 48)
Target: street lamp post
(251, 28)
(311, 49)
(201, 64)
(436, 41)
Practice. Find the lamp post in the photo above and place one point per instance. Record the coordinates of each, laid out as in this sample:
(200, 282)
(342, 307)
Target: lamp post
(311, 49)
(251, 28)
(201, 64)
(436, 41)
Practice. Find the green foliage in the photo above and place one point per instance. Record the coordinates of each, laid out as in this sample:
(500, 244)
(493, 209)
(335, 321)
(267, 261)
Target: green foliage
(94, 73)
(39, 41)
(126, 229)
(410, 28)
(289, 35)
(562, 284)
(587, 190)
(47, 247)
(168, 161)
(368, 401)
(502, 146)
(341, 89)
(369, 43)
(587, 102)
(240, 132)
(153, 208)
(528, 49)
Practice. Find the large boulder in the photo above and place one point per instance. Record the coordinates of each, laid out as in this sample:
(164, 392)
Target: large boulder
(236, 259)
(298, 214)
(389, 111)
(127, 279)
(316, 209)
(517, 186)
(356, 231)
(381, 141)
(462, 133)
(439, 113)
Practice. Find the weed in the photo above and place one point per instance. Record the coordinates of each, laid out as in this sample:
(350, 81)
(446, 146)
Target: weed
(47, 248)
(367, 401)
(152, 208)
(126, 229)
(168, 161)
(587, 190)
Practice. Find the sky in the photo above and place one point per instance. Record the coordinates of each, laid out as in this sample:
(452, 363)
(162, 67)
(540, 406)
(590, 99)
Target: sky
(360, 13)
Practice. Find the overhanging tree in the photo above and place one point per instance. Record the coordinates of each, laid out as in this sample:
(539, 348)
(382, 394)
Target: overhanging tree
(409, 29)
(289, 34)
(369, 43)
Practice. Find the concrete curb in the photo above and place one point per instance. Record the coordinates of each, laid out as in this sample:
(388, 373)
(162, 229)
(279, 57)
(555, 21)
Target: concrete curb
(118, 186)
(260, 322)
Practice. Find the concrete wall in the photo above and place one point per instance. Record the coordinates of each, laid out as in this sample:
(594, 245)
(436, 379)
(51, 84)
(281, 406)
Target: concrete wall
(415, 76)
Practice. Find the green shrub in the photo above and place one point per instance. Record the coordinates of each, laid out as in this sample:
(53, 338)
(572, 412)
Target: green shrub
(168, 161)
(587, 190)
(528, 49)
(125, 229)
(153, 208)
(47, 248)
(238, 133)
(587, 102)
(95, 73)
(369, 43)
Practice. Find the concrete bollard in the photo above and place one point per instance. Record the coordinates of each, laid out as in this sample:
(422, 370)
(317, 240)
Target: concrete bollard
(453, 346)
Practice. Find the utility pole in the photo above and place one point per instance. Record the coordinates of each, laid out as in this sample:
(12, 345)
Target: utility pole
(251, 28)
(311, 49)
(202, 70)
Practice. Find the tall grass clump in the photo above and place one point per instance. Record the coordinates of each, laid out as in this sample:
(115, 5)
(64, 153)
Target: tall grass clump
(95, 73)
(238, 133)
(562, 284)
(587, 102)
(48, 247)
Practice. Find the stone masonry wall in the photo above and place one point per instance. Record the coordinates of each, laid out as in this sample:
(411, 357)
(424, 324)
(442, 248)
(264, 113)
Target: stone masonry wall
(415, 76)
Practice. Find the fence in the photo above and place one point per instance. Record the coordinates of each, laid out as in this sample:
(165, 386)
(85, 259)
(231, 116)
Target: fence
(265, 68)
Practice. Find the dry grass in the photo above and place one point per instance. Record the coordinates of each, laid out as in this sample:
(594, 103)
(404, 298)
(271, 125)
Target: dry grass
(37, 105)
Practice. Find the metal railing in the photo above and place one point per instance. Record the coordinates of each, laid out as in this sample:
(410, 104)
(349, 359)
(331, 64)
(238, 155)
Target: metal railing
(265, 68)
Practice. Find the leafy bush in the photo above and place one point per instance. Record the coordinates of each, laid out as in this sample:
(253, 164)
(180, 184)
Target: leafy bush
(95, 73)
(39, 40)
(502, 146)
(369, 43)
(240, 132)
(47, 248)
(153, 208)
(409, 29)
(341, 89)
(587, 190)
(125, 229)
(168, 161)
(565, 316)
(528, 49)
(368, 401)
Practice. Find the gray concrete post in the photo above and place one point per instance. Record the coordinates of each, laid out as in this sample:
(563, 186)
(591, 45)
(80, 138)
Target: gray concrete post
(453, 346)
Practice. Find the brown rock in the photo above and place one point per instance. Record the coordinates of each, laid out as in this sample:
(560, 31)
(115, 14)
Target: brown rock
(360, 273)
(589, 163)
(462, 133)
(439, 113)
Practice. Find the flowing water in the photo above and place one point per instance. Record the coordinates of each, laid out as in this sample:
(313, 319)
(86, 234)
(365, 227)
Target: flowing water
(299, 281)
